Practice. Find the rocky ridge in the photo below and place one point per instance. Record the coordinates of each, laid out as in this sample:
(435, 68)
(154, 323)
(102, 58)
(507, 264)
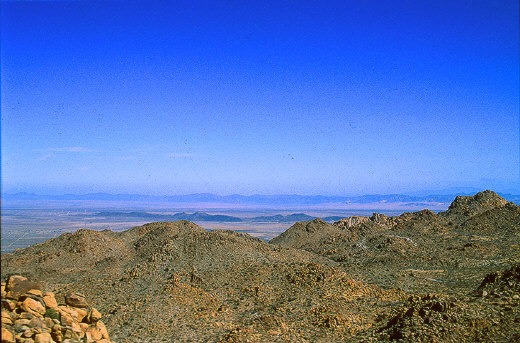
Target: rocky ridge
(420, 251)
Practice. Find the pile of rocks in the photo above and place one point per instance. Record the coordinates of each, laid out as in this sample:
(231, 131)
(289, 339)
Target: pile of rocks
(31, 316)
(430, 318)
(502, 284)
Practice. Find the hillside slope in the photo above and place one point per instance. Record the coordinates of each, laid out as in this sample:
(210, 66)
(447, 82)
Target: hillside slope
(173, 281)
(316, 282)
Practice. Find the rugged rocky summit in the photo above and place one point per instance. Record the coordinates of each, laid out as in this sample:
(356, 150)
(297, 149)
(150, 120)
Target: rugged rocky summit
(316, 282)
(468, 206)
(29, 315)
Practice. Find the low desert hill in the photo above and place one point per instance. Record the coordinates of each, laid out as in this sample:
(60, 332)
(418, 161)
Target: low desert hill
(316, 282)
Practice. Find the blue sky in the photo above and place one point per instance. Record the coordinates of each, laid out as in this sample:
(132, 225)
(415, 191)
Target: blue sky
(265, 97)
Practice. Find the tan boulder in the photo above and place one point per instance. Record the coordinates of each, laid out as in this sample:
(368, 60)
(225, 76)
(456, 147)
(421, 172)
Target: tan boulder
(80, 313)
(37, 325)
(9, 305)
(102, 329)
(32, 306)
(21, 324)
(28, 333)
(6, 318)
(76, 300)
(48, 322)
(17, 286)
(26, 315)
(68, 315)
(95, 335)
(94, 315)
(13, 280)
(43, 338)
(7, 336)
(7, 321)
(66, 319)
(76, 327)
(35, 292)
(50, 300)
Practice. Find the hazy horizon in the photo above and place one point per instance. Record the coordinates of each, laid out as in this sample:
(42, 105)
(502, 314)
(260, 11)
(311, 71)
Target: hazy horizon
(420, 192)
(275, 97)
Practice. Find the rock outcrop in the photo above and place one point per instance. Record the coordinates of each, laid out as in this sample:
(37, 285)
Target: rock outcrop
(29, 315)
(491, 314)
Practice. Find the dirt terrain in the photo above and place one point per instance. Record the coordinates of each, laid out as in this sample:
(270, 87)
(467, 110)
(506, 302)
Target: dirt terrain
(422, 276)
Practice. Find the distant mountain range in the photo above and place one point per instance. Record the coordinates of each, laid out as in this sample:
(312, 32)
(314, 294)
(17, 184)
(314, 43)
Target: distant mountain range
(202, 216)
(292, 199)
(197, 216)
(295, 217)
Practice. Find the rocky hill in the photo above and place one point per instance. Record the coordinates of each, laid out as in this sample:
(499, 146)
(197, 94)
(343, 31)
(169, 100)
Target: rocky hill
(316, 282)
(173, 280)
(421, 251)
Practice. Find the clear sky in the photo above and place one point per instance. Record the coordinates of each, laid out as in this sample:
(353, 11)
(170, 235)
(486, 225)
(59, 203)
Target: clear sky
(307, 97)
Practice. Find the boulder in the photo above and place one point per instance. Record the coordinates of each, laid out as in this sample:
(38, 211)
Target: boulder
(76, 300)
(95, 334)
(17, 286)
(35, 292)
(50, 300)
(80, 313)
(102, 329)
(43, 338)
(9, 305)
(7, 336)
(6, 318)
(34, 307)
(94, 315)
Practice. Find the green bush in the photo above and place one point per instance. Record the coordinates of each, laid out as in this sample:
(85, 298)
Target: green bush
(51, 313)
